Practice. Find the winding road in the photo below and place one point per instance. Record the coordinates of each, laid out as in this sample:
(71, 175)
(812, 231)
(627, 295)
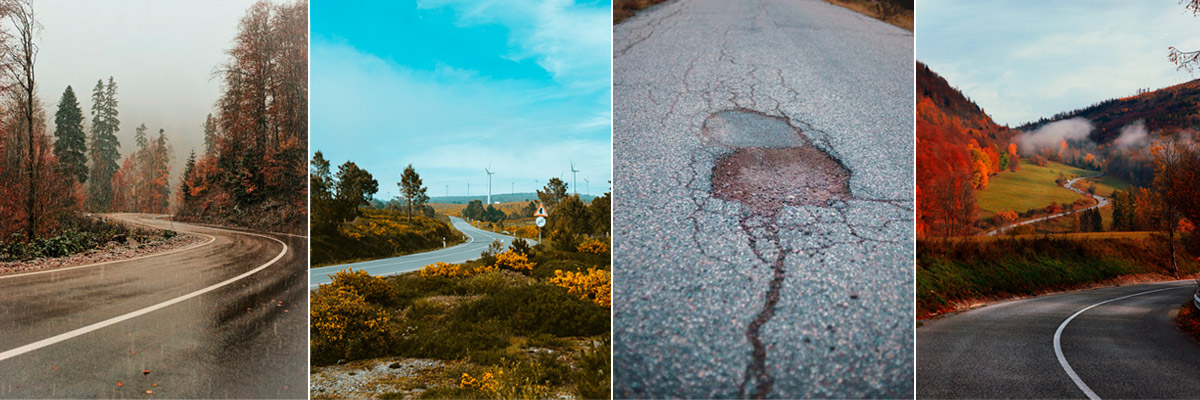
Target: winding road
(478, 240)
(224, 318)
(763, 169)
(1119, 342)
(1101, 201)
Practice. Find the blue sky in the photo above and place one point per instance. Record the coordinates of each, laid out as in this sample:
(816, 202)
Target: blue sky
(453, 85)
(1023, 60)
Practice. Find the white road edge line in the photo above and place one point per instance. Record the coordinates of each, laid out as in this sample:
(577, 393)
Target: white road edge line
(120, 318)
(1058, 339)
(46, 271)
(470, 239)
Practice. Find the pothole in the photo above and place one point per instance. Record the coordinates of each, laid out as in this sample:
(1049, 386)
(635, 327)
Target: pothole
(745, 128)
(773, 165)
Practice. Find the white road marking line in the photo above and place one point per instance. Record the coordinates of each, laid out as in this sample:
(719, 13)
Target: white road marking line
(1058, 339)
(46, 271)
(115, 320)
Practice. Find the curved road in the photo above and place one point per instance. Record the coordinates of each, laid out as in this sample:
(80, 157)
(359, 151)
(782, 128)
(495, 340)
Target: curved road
(478, 240)
(1126, 346)
(1101, 201)
(225, 318)
(724, 299)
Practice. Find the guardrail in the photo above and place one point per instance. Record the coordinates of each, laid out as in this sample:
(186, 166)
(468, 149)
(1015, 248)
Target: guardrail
(1196, 300)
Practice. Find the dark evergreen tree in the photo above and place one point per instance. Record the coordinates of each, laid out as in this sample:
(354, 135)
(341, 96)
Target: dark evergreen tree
(105, 149)
(70, 144)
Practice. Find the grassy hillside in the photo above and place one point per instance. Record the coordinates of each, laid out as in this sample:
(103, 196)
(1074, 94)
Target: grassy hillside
(530, 323)
(381, 234)
(951, 276)
(1031, 186)
(455, 209)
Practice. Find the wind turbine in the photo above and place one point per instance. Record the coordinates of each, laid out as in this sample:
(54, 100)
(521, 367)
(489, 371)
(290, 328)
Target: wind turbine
(589, 186)
(468, 189)
(490, 173)
(574, 182)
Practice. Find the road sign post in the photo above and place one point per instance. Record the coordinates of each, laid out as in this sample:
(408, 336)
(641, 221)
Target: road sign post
(541, 220)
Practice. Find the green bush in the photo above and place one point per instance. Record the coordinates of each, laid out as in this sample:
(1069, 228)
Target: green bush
(539, 308)
(593, 379)
(492, 282)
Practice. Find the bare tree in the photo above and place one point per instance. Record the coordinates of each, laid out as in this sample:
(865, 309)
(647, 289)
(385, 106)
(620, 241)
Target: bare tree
(18, 55)
(1186, 60)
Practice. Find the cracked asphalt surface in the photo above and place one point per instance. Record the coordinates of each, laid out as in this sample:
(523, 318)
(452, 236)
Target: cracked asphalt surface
(717, 298)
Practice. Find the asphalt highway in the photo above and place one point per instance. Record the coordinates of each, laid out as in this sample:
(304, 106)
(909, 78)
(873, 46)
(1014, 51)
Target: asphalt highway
(478, 240)
(1127, 346)
(774, 294)
(1101, 201)
(225, 318)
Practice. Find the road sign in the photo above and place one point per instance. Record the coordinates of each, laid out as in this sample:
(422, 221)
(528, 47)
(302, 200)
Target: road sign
(541, 221)
(541, 212)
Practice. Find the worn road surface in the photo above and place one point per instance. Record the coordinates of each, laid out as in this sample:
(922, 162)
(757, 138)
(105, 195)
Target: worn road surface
(77, 332)
(791, 278)
(478, 240)
(1101, 201)
(1129, 347)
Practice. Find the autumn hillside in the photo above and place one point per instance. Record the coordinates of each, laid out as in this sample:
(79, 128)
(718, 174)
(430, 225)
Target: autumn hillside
(1168, 109)
(958, 147)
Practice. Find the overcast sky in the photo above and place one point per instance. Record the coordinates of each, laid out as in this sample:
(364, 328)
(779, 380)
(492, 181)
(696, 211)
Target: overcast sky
(1023, 60)
(453, 85)
(161, 54)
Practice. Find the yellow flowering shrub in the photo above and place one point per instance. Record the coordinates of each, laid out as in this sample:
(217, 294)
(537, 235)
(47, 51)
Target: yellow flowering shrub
(593, 246)
(594, 284)
(501, 386)
(514, 261)
(373, 288)
(454, 270)
(344, 326)
(487, 382)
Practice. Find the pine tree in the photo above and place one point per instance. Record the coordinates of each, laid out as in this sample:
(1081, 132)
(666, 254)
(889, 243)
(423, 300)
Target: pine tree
(184, 193)
(70, 145)
(105, 149)
(412, 191)
(210, 135)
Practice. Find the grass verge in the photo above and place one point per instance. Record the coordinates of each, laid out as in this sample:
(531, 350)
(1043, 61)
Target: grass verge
(956, 275)
(902, 20)
(623, 9)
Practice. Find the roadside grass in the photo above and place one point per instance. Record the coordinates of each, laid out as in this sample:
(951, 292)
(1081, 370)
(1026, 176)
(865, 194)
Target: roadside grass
(379, 234)
(1031, 187)
(956, 274)
(903, 20)
(623, 9)
(511, 331)
(78, 234)
(1189, 320)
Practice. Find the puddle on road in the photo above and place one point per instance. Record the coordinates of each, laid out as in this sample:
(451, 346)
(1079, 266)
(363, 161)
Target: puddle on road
(773, 165)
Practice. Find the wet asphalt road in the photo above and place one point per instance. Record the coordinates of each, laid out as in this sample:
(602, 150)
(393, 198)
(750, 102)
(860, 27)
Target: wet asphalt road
(247, 339)
(1101, 201)
(478, 241)
(1128, 348)
(713, 298)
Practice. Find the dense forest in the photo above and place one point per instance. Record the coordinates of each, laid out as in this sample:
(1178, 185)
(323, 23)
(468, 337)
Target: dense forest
(253, 170)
